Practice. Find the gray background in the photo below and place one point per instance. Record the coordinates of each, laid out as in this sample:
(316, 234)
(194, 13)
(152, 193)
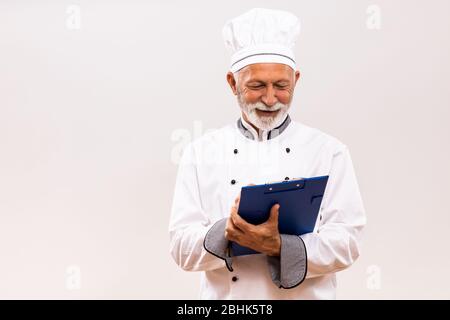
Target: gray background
(91, 120)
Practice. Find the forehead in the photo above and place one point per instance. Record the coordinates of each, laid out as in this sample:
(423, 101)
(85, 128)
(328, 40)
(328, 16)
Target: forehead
(266, 72)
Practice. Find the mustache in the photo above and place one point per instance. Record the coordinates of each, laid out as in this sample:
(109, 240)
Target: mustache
(262, 107)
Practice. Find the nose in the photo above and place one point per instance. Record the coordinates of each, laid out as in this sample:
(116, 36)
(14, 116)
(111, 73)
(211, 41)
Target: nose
(269, 98)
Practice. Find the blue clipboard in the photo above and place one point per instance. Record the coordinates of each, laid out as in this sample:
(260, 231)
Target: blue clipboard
(299, 202)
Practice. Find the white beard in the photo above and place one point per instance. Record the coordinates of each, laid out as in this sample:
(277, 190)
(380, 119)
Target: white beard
(265, 123)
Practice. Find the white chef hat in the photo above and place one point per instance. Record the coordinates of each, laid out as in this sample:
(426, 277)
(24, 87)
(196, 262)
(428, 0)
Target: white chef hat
(261, 36)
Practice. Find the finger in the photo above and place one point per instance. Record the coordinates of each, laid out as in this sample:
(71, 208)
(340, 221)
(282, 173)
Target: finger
(237, 200)
(274, 213)
(234, 216)
(235, 228)
(231, 232)
(238, 222)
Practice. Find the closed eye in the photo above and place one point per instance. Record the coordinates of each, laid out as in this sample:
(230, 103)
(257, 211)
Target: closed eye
(256, 87)
(281, 85)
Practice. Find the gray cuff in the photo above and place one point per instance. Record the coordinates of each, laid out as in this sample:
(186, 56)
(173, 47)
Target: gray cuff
(289, 269)
(216, 243)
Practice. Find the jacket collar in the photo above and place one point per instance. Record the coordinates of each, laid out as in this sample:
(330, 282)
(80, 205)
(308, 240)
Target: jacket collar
(249, 132)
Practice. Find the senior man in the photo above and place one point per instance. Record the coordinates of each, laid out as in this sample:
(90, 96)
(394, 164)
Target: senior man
(263, 145)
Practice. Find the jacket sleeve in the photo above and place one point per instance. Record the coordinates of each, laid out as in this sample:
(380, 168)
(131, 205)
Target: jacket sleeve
(335, 244)
(289, 269)
(189, 224)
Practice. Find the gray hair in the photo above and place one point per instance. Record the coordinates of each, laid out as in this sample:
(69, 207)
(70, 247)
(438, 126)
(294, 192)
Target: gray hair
(236, 76)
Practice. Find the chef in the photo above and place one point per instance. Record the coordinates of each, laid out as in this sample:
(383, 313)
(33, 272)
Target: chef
(262, 146)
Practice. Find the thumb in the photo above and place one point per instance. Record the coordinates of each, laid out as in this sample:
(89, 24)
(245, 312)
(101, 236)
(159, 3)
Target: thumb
(237, 201)
(274, 212)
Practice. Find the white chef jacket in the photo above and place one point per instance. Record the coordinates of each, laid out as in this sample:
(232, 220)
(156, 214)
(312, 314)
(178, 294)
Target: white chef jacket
(212, 171)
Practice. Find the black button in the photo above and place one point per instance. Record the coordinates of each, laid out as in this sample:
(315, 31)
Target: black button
(235, 151)
(233, 181)
(287, 178)
(320, 217)
(288, 150)
(234, 278)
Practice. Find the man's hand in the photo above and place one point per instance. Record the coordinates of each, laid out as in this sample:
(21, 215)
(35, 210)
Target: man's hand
(264, 238)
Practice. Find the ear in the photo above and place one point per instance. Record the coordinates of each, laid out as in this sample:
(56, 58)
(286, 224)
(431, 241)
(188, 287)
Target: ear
(232, 82)
(297, 76)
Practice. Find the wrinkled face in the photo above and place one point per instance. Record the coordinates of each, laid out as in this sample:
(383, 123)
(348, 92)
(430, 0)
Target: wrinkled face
(265, 92)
